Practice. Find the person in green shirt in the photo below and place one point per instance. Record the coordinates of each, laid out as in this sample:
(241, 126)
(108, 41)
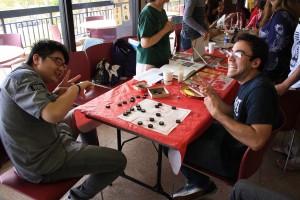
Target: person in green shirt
(153, 34)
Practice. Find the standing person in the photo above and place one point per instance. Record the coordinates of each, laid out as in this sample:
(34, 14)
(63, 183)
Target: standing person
(38, 128)
(214, 8)
(292, 83)
(253, 24)
(193, 24)
(277, 27)
(153, 34)
(248, 123)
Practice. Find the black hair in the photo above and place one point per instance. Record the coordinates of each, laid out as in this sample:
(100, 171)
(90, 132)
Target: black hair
(45, 48)
(261, 4)
(258, 47)
(210, 6)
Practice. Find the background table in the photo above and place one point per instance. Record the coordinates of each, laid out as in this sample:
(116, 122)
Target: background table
(103, 29)
(8, 53)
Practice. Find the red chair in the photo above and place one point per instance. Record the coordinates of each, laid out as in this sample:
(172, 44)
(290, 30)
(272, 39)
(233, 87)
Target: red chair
(250, 162)
(177, 46)
(13, 39)
(107, 34)
(38, 191)
(289, 103)
(55, 33)
(79, 64)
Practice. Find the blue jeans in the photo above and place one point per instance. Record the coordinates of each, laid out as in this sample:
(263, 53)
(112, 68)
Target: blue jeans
(102, 164)
(185, 43)
(217, 151)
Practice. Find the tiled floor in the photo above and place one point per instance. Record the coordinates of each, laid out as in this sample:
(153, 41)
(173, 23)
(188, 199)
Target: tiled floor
(142, 159)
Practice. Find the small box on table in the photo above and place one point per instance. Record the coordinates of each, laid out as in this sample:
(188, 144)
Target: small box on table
(158, 92)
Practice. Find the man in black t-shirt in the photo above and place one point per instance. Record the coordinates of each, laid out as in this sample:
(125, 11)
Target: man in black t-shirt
(248, 123)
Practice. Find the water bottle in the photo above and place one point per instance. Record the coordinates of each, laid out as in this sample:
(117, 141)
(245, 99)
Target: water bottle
(226, 41)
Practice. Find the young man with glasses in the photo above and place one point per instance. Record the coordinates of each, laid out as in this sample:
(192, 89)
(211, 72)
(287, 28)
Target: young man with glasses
(247, 123)
(38, 128)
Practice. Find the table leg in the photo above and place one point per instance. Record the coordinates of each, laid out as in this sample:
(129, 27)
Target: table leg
(158, 187)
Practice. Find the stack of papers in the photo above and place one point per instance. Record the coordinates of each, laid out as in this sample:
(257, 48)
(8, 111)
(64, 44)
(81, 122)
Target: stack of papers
(189, 68)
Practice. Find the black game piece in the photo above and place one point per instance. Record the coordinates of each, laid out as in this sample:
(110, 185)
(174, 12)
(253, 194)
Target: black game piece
(158, 114)
(159, 104)
(150, 125)
(151, 119)
(174, 107)
(178, 121)
(124, 102)
(119, 104)
(107, 106)
(132, 109)
(140, 123)
(125, 113)
(137, 96)
(146, 94)
(138, 105)
(156, 106)
(128, 112)
(143, 110)
(131, 100)
(144, 97)
(161, 123)
(139, 108)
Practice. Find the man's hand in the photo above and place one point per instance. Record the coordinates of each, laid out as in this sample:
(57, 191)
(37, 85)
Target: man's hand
(65, 84)
(212, 101)
(85, 87)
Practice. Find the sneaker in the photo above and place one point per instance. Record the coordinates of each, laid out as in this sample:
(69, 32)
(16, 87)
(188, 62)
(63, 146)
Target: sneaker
(291, 166)
(194, 193)
(280, 149)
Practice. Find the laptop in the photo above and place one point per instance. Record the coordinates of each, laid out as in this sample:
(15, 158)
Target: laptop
(198, 52)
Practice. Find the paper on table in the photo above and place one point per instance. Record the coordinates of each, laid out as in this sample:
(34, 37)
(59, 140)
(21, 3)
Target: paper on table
(168, 116)
(189, 68)
(151, 76)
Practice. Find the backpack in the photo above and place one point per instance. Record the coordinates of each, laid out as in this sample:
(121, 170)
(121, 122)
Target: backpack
(124, 54)
(106, 74)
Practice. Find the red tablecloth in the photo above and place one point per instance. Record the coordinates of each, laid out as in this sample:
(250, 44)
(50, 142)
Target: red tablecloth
(188, 130)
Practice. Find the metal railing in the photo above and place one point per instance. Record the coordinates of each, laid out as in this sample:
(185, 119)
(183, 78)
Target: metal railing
(33, 23)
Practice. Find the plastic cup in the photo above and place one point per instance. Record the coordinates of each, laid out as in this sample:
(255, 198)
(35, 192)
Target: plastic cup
(168, 77)
(211, 47)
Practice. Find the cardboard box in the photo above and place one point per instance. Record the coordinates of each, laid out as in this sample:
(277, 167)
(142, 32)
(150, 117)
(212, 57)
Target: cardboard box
(158, 92)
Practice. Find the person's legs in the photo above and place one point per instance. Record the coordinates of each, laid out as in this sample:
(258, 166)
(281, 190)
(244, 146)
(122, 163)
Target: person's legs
(103, 164)
(246, 190)
(206, 152)
(90, 137)
(294, 161)
(185, 43)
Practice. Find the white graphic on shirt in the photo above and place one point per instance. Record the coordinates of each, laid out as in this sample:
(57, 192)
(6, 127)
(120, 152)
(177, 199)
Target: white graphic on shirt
(236, 105)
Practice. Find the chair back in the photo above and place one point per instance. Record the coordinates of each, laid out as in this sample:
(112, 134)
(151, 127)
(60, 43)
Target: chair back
(107, 34)
(97, 53)
(177, 40)
(92, 18)
(78, 64)
(13, 39)
(252, 160)
(55, 33)
(289, 102)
